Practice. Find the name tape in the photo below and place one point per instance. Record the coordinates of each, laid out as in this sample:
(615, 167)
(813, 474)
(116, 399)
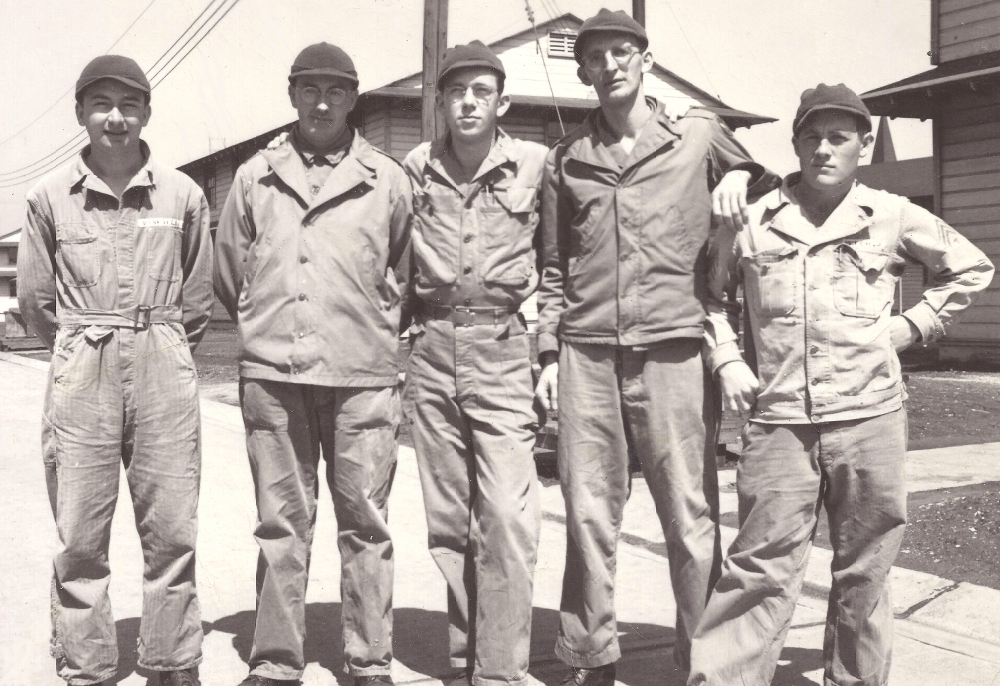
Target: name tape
(152, 222)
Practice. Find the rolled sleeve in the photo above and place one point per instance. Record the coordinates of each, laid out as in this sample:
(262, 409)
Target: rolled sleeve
(721, 304)
(553, 252)
(958, 270)
(36, 274)
(197, 257)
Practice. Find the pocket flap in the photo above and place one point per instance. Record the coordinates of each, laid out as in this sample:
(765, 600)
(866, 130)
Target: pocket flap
(775, 254)
(517, 199)
(75, 232)
(866, 258)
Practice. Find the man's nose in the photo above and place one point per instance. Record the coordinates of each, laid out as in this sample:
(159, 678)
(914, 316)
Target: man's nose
(469, 98)
(824, 148)
(322, 105)
(115, 116)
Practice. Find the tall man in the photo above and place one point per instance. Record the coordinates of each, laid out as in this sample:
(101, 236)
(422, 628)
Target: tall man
(469, 374)
(627, 203)
(309, 246)
(819, 264)
(115, 279)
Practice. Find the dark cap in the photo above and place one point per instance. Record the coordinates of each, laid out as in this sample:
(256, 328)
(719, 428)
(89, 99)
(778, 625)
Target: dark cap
(326, 60)
(115, 67)
(475, 54)
(824, 97)
(606, 21)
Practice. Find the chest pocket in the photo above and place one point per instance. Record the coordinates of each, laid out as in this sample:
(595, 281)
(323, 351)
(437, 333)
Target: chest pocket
(78, 256)
(771, 278)
(508, 218)
(862, 285)
(163, 251)
(436, 236)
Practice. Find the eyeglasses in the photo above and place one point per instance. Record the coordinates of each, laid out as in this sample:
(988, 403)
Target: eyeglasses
(480, 93)
(311, 95)
(596, 61)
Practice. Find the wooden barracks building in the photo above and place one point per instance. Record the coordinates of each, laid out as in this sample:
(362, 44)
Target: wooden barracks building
(961, 94)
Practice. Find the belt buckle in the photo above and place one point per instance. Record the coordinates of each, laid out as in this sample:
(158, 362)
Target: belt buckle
(142, 315)
(464, 316)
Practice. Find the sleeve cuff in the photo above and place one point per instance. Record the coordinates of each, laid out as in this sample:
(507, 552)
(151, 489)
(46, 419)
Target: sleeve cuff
(756, 171)
(723, 354)
(547, 343)
(926, 321)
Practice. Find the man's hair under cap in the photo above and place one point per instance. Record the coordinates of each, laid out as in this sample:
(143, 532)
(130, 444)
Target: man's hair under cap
(114, 67)
(475, 54)
(606, 21)
(323, 59)
(824, 97)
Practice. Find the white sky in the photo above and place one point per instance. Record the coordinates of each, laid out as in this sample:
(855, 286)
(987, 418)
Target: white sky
(756, 55)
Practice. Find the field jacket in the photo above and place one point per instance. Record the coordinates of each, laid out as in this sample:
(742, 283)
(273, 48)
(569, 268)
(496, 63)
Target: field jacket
(819, 300)
(314, 280)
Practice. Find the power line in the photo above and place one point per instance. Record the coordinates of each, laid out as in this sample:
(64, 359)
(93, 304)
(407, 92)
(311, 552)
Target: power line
(69, 90)
(693, 51)
(541, 56)
(8, 183)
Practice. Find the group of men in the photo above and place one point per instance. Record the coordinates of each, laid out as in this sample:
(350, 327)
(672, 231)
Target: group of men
(635, 230)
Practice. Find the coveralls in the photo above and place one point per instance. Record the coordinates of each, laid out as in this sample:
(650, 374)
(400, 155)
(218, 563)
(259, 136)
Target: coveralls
(469, 377)
(120, 292)
(623, 238)
(829, 426)
(306, 251)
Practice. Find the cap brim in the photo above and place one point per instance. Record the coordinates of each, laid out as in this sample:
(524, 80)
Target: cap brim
(481, 64)
(120, 79)
(820, 108)
(323, 72)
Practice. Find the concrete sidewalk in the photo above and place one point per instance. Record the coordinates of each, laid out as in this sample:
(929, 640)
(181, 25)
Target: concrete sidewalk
(937, 650)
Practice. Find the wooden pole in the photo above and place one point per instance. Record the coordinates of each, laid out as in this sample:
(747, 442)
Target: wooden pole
(639, 11)
(435, 42)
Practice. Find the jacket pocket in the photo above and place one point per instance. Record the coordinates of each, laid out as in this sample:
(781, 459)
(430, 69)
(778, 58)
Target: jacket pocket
(435, 238)
(862, 288)
(78, 256)
(772, 281)
(508, 232)
(163, 252)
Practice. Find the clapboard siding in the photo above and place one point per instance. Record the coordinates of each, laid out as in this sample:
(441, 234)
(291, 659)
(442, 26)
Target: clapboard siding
(405, 127)
(525, 129)
(375, 128)
(224, 173)
(967, 27)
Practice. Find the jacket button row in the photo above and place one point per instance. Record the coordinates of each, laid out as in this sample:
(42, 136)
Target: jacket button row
(302, 296)
(467, 238)
(813, 350)
(467, 270)
(303, 259)
(815, 382)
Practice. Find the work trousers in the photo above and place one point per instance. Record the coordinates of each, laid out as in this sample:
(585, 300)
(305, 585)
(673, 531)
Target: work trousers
(356, 428)
(786, 473)
(474, 430)
(120, 396)
(660, 402)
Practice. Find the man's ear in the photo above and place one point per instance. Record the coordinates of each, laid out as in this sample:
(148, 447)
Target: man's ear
(79, 114)
(867, 141)
(584, 76)
(647, 61)
(503, 105)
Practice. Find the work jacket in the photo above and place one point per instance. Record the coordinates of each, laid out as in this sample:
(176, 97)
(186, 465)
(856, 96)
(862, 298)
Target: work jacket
(87, 259)
(623, 245)
(476, 249)
(820, 300)
(314, 280)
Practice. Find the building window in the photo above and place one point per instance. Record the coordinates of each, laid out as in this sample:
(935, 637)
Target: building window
(561, 44)
(13, 288)
(209, 186)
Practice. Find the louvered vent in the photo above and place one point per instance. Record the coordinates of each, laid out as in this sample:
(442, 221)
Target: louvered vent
(561, 44)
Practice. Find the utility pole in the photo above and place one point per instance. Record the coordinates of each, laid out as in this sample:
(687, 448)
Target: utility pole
(639, 11)
(435, 42)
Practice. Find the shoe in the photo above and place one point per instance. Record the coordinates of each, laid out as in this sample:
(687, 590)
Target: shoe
(597, 676)
(257, 680)
(180, 677)
(373, 680)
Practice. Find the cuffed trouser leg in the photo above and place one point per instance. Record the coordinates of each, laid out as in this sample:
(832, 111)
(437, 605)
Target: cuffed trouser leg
(356, 427)
(474, 433)
(786, 472)
(656, 397)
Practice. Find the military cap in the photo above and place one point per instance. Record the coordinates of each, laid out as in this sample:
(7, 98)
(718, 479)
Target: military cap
(606, 21)
(323, 59)
(475, 54)
(115, 67)
(824, 97)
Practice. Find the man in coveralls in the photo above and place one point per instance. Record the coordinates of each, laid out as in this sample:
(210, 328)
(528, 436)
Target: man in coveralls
(627, 204)
(475, 194)
(307, 245)
(819, 263)
(115, 278)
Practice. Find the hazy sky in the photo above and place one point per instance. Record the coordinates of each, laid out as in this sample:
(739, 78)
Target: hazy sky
(756, 55)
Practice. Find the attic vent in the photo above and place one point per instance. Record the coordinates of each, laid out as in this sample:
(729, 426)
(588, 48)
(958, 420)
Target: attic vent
(561, 43)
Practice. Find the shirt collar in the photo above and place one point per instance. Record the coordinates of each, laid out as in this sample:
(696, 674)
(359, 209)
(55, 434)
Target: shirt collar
(592, 148)
(83, 176)
(333, 158)
(502, 151)
(851, 216)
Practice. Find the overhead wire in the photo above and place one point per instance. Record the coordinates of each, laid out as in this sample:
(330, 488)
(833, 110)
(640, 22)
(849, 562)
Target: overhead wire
(164, 58)
(691, 46)
(545, 66)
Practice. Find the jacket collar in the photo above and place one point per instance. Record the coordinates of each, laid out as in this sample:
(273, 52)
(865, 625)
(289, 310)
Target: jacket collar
(783, 213)
(82, 176)
(358, 166)
(502, 152)
(656, 134)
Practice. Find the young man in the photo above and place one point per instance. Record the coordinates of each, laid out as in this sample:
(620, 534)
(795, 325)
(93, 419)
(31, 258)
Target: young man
(309, 249)
(469, 373)
(627, 203)
(819, 264)
(114, 276)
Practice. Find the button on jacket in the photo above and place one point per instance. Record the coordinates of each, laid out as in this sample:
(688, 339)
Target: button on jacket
(315, 281)
(477, 249)
(622, 244)
(820, 299)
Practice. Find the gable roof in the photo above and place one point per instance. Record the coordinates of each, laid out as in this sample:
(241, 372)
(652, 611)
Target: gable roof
(529, 73)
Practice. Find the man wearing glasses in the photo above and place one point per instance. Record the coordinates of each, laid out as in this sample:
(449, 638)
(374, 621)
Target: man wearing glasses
(469, 373)
(310, 264)
(627, 200)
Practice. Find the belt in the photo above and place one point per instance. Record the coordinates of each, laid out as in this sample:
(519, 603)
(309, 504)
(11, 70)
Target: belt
(139, 317)
(469, 316)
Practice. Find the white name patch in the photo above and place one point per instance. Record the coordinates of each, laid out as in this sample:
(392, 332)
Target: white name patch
(152, 222)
